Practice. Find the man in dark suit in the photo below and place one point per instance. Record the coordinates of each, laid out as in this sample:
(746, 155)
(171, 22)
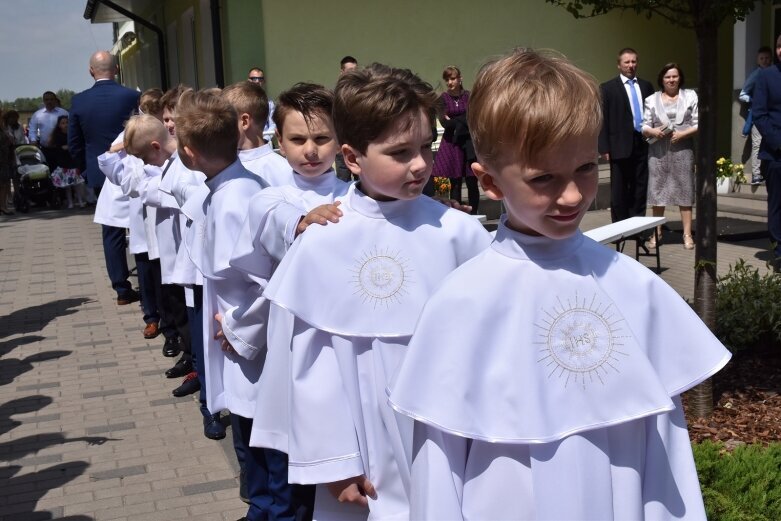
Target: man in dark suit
(96, 118)
(621, 141)
(766, 110)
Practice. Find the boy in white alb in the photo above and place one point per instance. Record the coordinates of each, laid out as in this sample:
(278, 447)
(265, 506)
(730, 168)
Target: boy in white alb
(276, 215)
(558, 399)
(207, 131)
(115, 165)
(307, 139)
(356, 289)
(149, 140)
(256, 155)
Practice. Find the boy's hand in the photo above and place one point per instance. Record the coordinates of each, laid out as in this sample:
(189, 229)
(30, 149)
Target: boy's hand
(353, 490)
(320, 215)
(452, 203)
(116, 148)
(219, 335)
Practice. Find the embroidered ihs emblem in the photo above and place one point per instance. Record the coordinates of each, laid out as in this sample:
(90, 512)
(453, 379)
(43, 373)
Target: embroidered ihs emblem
(581, 341)
(381, 277)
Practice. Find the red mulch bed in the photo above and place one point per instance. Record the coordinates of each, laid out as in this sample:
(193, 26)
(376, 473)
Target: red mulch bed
(747, 398)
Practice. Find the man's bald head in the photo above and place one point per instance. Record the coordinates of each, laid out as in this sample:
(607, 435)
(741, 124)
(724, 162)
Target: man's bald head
(102, 65)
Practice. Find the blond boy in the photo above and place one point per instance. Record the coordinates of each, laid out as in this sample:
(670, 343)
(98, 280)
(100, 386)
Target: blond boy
(558, 398)
(255, 153)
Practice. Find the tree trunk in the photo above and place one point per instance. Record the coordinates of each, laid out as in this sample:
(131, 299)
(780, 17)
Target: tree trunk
(701, 397)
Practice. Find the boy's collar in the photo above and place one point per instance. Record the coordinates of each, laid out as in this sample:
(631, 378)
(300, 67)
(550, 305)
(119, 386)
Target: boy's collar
(227, 174)
(309, 183)
(369, 207)
(254, 153)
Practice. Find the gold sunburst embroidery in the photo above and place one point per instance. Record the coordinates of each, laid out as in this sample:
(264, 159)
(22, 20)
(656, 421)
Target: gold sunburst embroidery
(581, 341)
(381, 277)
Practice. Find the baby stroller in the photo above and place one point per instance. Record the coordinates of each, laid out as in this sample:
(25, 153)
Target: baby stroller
(35, 182)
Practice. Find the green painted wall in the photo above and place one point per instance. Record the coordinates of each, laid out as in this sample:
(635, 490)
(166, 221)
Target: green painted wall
(304, 41)
(242, 38)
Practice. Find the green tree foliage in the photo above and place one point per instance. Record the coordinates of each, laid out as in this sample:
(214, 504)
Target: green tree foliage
(31, 104)
(704, 17)
(683, 13)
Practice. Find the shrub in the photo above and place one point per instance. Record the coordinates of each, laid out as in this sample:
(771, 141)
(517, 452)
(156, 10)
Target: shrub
(742, 485)
(747, 306)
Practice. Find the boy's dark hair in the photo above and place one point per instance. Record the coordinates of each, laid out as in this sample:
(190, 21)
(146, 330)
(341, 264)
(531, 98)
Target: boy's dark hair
(369, 101)
(171, 97)
(309, 99)
(765, 50)
(248, 98)
(206, 122)
(149, 103)
(347, 59)
(666, 67)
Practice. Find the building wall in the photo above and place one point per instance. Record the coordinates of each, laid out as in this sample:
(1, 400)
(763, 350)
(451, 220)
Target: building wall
(243, 39)
(306, 42)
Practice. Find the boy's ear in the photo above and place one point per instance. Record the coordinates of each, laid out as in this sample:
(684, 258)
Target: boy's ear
(191, 154)
(155, 145)
(351, 159)
(487, 182)
(245, 120)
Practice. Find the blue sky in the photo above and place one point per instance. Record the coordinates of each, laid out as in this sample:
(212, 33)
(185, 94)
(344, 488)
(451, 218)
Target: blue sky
(46, 46)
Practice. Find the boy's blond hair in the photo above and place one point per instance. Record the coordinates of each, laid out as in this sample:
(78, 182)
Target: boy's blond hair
(149, 102)
(207, 123)
(528, 102)
(140, 131)
(309, 99)
(367, 102)
(248, 98)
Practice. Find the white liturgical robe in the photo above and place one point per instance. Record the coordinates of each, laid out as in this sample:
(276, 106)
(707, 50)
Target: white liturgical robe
(116, 166)
(266, 234)
(558, 399)
(356, 289)
(270, 166)
(230, 376)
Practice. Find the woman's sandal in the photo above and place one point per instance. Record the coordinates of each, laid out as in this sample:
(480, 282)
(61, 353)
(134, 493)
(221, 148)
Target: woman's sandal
(688, 242)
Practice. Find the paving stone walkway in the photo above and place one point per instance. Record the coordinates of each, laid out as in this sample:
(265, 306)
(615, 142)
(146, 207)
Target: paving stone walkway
(88, 428)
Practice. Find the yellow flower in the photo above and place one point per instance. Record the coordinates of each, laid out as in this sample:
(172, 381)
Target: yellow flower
(720, 161)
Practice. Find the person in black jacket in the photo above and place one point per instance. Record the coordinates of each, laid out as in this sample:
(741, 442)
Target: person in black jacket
(621, 140)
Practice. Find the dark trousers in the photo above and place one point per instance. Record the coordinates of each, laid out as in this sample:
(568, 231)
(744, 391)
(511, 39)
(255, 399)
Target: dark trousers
(173, 312)
(629, 182)
(116, 260)
(195, 317)
(147, 288)
(472, 190)
(271, 496)
(771, 171)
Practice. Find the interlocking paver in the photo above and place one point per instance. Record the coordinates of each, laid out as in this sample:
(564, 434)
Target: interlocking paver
(88, 426)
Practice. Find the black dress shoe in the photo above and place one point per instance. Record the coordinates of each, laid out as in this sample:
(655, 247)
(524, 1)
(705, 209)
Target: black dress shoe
(190, 385)
(171, 347)
(128, 298)
(213, 427)
(181, 368)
